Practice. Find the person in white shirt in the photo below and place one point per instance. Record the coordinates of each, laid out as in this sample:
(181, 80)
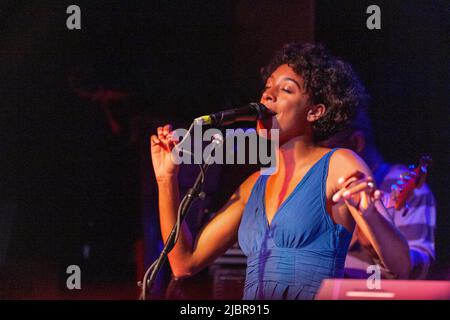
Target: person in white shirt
(416, 221)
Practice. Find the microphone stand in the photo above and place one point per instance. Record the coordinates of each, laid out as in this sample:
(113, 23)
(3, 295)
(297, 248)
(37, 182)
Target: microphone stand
(193, 193)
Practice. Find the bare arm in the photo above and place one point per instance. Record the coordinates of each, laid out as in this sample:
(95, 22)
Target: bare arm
(355, 194)
(189, 256)
(416, 223)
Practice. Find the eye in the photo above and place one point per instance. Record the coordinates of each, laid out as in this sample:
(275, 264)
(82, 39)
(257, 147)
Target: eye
(287, 90)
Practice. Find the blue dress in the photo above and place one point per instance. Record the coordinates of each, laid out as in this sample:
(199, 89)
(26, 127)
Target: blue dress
(289, 258)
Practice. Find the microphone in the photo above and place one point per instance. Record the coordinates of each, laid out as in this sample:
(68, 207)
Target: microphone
(251, 112)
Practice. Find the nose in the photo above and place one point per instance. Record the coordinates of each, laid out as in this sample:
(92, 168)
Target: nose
(268, 95)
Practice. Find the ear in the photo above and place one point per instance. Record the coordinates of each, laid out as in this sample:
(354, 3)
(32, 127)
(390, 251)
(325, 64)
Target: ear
(358, 141)
(316, 112)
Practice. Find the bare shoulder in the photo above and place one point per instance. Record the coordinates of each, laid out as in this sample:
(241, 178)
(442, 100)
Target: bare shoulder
(344, 157)
(246, 187)
(345, 162)
(242, 193)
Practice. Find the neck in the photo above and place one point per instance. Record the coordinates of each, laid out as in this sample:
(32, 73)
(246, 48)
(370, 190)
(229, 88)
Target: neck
(295, 151)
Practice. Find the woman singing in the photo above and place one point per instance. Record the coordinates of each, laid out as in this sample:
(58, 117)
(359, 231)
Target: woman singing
(295, 225)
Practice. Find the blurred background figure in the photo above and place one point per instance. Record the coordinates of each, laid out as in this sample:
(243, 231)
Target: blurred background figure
(416, 220)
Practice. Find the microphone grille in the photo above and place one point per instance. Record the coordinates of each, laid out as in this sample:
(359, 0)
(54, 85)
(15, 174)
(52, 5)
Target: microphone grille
(262, 110)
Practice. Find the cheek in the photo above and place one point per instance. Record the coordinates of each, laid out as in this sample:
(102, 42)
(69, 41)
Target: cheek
(292, 124)
(291, 118)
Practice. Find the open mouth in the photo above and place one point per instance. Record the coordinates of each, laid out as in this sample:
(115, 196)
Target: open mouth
(273, 113)
(266, 121)
(265, 112)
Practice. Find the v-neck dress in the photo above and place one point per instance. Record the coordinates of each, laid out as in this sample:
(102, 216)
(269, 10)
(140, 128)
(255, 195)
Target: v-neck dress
(289, 258)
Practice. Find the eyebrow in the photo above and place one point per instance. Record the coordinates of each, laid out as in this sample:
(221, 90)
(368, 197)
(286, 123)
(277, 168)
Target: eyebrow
(288, 79)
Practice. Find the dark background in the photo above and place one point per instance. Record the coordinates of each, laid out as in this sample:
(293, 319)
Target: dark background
(73, 191)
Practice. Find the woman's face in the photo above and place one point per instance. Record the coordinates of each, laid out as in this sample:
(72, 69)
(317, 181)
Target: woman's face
(285, 95)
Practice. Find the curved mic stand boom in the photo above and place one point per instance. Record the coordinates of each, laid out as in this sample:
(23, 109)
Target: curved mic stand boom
(193, 193)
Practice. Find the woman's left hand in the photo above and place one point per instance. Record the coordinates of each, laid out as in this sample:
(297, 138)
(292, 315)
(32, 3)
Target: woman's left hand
(358, 191)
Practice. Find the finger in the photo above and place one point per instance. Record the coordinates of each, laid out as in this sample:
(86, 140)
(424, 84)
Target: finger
(366, 186)
(162, 132)
(157, 142)
(373, 197)
(167, 128)
(159, 131)
(358, 186)
(173, 138)
(363, 198)
(170, 142)
(162, 139)
(355, 174)
(362, 179)
(174, 143)
(338, 195)
(154, 140)
(163, 136)
(377, 195)
(351, 183)
(348, 182)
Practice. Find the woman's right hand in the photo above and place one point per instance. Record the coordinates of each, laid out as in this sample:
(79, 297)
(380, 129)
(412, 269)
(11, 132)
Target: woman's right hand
(161, 146)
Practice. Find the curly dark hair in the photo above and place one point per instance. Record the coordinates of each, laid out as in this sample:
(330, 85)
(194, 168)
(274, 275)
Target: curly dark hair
(328, 79)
